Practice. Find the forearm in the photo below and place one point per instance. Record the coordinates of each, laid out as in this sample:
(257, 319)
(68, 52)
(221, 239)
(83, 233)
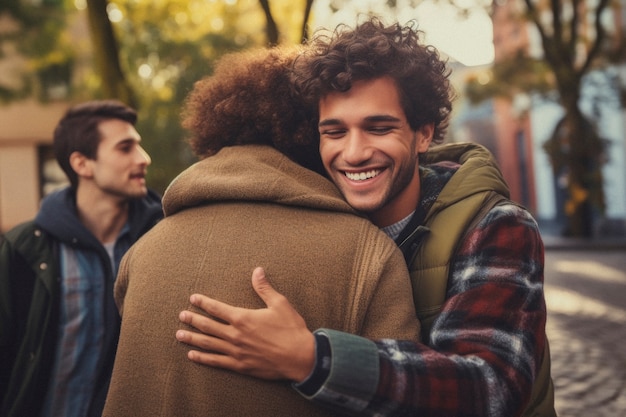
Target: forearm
(481, 375)
(484, 370)
(346, 371)
(486, 346)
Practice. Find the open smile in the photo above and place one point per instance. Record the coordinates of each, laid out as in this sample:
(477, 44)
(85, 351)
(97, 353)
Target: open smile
(362, 176)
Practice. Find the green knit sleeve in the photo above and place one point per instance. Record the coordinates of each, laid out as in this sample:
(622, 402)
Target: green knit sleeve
(354, 370)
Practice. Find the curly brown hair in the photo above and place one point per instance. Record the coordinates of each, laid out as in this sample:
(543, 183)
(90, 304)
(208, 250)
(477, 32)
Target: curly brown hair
(371, 50)
(250, 99)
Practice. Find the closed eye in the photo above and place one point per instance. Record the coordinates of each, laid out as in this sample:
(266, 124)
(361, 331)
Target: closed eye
(380, 130)
(333, 133)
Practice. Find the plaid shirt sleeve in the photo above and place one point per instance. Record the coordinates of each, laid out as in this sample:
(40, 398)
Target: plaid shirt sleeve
(486, 346)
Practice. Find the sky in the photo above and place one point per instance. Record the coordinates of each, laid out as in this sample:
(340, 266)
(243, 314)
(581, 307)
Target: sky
(468, 40)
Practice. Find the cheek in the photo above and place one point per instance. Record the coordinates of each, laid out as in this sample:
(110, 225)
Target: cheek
(114, 166)
(326, 152)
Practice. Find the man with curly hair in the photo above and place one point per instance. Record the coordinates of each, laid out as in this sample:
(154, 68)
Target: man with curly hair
(475, 257)
(249, 201)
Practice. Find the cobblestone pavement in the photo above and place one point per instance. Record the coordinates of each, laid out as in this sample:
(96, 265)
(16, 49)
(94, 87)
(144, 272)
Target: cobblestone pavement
(586, 298)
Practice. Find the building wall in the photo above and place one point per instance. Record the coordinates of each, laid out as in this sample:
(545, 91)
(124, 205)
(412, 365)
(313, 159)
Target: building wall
(26, 126)
(515, 152)
(19, 188)
(514, 136)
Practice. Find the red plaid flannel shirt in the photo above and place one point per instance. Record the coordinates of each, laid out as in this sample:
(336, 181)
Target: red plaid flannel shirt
(485, 348)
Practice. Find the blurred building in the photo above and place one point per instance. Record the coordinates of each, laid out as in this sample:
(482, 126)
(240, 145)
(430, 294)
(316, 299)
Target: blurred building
(26, 163)
(515, 130)
(27, 167)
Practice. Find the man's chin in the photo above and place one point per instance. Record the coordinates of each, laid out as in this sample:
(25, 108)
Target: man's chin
(137, 194)
(364, 206)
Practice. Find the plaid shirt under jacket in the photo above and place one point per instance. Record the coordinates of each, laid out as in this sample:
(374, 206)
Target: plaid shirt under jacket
(485, 347)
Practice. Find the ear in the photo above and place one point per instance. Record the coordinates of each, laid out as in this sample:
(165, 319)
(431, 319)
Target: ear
(424, 136)
(81, 164)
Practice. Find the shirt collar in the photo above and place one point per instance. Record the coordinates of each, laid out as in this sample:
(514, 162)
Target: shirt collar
(393, 230)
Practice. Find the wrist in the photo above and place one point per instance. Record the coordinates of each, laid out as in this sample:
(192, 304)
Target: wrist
(304, 362)
(316, 378)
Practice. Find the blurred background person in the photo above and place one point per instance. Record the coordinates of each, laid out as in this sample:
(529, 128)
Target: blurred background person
(58, 321)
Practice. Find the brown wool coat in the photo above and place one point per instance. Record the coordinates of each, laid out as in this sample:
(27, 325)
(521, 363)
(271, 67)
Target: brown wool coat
(245, 207)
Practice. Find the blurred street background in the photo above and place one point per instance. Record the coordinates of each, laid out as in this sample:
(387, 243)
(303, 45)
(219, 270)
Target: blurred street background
(585, 286)
(541, 84)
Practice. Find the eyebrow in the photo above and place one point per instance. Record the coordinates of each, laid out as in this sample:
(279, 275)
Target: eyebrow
(373, 118)
(329, 122)
(128, 141)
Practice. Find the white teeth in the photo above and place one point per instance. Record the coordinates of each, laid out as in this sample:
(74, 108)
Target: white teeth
(361, 176)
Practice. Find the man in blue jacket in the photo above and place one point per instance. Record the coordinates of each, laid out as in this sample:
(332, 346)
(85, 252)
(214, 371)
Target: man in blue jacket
(58, 321)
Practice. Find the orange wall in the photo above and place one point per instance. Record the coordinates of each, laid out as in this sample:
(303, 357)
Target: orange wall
(25, 126)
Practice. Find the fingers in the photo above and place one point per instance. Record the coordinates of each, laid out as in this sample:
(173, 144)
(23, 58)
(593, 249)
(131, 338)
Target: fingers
(230, 313)
(258, 342)
(204, 342)
(204, 324)
(213, 307)
(217, 353)
(264, 289)
(226, 362)
(209, 359)
(213, 359)
(213, 336)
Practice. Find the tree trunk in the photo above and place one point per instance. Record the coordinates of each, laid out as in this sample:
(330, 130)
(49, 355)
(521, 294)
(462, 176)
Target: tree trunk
(576, 152)
(305, 21)
(270, 27)
(105, 48)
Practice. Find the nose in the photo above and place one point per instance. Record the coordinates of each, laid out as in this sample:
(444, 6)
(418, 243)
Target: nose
(143, 156)
(356, 148)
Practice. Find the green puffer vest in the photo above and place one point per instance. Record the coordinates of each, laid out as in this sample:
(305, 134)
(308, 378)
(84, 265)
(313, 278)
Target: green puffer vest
(472, 191)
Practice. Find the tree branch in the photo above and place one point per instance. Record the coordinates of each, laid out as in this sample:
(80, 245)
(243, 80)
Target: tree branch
(600, 35)
(574, 29)
(557, 13)
(270, 29)
(305, 22)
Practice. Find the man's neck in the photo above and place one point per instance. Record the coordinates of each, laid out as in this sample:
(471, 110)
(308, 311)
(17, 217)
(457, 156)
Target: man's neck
(400, 206)
(386, 216)
(394, 230)
(102, 214)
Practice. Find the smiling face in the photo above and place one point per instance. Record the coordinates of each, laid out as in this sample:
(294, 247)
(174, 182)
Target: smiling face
(370, 151)
(119, 169)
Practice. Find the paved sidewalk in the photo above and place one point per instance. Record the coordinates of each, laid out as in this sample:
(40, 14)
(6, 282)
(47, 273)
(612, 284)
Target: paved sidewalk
(586, 298)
